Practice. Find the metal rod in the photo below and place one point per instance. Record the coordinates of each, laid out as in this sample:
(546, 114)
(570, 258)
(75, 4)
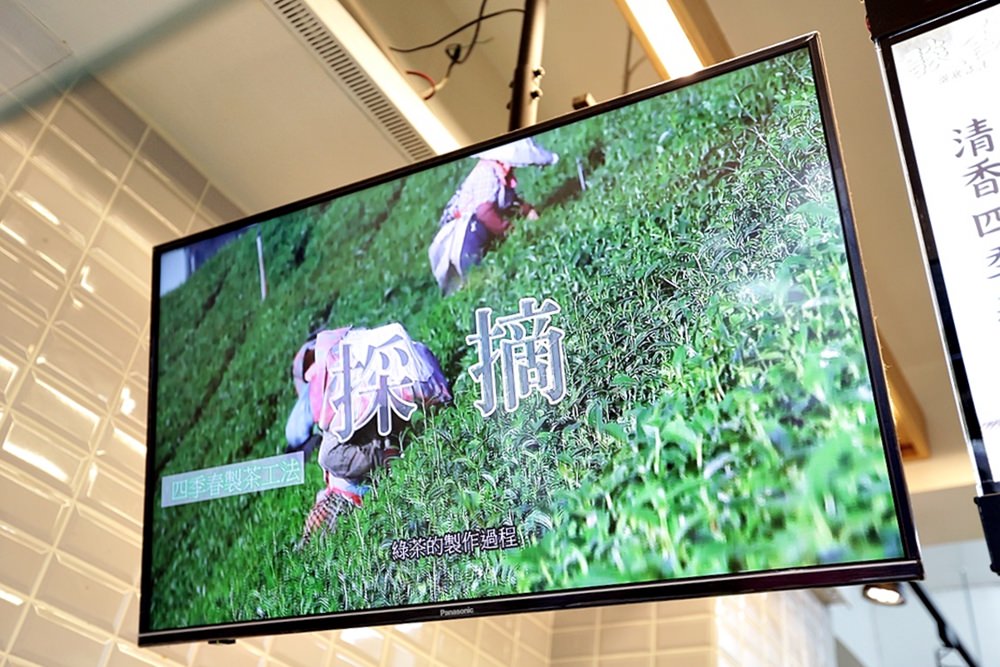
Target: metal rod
(525, 91)
(945, 632)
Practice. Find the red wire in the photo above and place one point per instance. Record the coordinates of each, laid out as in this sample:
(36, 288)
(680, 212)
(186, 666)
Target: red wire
(427, 78)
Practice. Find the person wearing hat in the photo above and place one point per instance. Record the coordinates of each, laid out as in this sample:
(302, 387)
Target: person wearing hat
(480, 211)
(300, 428)
(356, 429)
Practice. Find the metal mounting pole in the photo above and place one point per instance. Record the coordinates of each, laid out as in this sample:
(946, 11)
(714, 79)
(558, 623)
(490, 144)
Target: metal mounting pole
(945, 632)
(528, 72)
(989, 515)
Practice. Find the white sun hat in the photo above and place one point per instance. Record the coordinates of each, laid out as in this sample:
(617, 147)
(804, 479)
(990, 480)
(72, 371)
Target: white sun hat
(519, 153)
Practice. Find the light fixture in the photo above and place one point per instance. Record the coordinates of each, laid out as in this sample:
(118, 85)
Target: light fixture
(66, 400)
(36, 460)
(130, 442)
(127, 402)
(7, 596)
(14, 235)
(84, 279)
(889, 594)
(662, 36)
(38, 207)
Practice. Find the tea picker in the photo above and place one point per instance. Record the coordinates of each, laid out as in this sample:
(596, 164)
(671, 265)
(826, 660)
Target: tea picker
(358, 388)
(481, 210)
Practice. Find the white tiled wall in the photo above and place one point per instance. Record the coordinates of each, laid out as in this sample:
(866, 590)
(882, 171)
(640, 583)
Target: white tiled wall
(767, 630)
(86, 188)
(678, 634)
(74, 294)
(791, 628)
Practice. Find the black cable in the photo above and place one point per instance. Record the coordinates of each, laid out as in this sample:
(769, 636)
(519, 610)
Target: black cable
(945, 632)
(464, 26)
(454, 51)
(475, 34)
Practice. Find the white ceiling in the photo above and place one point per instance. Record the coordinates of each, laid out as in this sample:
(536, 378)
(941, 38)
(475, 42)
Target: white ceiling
(584, 51)
(252, 108)
(98, 30)
(244, 100)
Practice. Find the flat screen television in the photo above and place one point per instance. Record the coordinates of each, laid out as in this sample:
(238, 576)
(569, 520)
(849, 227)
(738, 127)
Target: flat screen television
(624, 355)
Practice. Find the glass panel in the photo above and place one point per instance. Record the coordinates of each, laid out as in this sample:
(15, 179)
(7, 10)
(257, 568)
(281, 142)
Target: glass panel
(41, 632)
(93, 140)
(94, 599)
(47, 458)
(49, 401)
(110, 547)
(30, 507)
(21, 562)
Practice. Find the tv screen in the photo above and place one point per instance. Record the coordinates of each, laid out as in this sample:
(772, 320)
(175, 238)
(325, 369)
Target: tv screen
(624, 355)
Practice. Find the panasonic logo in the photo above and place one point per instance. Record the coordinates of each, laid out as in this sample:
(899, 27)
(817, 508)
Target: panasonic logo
(464, 611)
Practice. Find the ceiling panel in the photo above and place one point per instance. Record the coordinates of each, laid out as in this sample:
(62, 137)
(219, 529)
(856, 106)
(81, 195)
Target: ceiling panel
(249, 105)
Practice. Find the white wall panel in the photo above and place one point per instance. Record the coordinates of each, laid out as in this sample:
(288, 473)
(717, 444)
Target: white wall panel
(86, 189)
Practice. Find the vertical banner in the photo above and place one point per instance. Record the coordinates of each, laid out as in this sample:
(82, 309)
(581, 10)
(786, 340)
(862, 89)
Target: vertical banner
(948, 82)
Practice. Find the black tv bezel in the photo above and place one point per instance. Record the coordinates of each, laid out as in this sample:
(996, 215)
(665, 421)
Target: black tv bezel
(888, 17)
(906, 566)
(956, 361)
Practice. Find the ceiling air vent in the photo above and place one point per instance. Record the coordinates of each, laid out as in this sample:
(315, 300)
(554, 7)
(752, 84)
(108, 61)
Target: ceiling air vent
(377, 88)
